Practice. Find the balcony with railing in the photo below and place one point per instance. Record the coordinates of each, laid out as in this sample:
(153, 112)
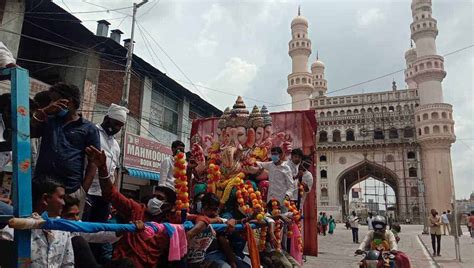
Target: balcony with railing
(367, 98)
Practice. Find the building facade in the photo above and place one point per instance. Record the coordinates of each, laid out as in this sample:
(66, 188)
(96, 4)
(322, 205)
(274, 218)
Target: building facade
(399, 136)
(54, 46)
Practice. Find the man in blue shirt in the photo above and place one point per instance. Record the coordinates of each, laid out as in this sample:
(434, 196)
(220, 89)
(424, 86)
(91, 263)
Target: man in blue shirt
(65, 135)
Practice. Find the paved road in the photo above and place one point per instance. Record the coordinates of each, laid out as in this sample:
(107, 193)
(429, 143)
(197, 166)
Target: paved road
(448, 255)
(338, 250)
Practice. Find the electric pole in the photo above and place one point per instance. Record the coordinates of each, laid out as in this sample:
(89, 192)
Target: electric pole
(126, 88)
(457, 246)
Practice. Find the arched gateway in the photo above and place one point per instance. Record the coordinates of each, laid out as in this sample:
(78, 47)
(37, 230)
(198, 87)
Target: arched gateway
(360, 172)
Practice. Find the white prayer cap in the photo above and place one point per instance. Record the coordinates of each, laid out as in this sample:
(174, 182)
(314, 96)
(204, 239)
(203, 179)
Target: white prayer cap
(117, 112)
(6, 57)
(154, 206)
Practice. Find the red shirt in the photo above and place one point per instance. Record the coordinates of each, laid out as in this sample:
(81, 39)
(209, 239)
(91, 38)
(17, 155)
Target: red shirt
(142, 251)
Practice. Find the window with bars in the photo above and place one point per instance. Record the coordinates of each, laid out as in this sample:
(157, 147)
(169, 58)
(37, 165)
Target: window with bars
(164, 112)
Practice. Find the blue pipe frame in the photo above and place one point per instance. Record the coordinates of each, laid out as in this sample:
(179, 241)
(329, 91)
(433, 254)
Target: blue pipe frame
(21, 158)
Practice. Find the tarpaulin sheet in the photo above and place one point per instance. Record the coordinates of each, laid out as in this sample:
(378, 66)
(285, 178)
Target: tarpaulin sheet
(301, 125)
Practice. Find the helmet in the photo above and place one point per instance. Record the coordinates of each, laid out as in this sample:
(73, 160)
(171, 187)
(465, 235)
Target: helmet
(372, 255)
(379, 222)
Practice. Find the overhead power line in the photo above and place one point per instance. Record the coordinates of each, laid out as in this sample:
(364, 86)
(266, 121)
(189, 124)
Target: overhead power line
(76, 12)
(117, 10)
(171, 59)
(150, 9)
(70, 20)
(374, 79)
(70, 66)
(74, 49)
(150, 51)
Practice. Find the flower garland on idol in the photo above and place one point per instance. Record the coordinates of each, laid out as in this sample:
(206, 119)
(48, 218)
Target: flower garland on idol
(263, 238)
(181, 182)
(213, 177)
(291, 206)
(213, 170)
(277, 232)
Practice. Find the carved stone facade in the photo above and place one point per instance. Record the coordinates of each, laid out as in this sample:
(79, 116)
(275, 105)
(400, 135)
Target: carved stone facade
(368, 135)
(401, 137)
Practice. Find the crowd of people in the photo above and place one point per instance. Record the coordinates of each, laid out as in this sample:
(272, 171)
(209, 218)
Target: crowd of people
(75, 169)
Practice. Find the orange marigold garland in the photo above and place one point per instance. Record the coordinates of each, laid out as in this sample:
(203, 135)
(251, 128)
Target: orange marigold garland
(263, 238)
(277, 232)
(301, 189)
(181, 182)
(213, 176)
(257, 205)
(246, 195)
(213, 170)
(296, 220)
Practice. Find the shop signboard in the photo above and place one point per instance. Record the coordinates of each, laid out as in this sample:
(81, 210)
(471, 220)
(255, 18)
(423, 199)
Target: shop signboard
(144, 153)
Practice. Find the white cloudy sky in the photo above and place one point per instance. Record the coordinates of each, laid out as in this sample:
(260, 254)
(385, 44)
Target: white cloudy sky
(240, 47)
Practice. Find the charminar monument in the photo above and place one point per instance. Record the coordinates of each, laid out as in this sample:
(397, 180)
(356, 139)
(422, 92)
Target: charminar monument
(402, 137)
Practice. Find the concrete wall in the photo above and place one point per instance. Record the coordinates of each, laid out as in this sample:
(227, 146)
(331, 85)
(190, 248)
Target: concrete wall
(12, 20)
(111, 84)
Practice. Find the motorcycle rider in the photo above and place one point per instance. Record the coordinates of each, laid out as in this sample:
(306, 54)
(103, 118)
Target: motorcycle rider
(381, 239)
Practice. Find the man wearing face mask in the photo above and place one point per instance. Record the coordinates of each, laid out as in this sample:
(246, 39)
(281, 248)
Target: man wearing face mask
(97, 209)
(65, 134)
(113, 122)
(280, 177)
(143, 251)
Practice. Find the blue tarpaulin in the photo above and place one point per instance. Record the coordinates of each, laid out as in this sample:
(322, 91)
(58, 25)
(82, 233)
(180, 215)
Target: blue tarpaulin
(139, 173)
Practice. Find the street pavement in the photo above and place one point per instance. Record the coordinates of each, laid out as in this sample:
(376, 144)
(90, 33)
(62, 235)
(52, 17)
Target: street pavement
(337, 250)
(448, 254)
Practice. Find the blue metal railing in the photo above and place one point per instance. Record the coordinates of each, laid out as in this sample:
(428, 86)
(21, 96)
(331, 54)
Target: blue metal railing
(21, 162)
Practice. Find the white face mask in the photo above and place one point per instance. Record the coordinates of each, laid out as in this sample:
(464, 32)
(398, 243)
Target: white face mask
(199, 207)
(2, 128)
(154, 206)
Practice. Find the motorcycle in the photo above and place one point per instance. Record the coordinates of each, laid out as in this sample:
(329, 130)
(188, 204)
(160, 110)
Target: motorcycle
(377, 259)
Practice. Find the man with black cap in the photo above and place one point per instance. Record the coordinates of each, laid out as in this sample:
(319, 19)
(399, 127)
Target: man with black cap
(65, 134)
(142, 252)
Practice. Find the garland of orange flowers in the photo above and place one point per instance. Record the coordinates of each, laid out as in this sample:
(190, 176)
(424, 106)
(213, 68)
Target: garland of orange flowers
(213, 176)
(277, 232)
(257, 204)
(247, 195)
(296, 220)
(263, 238)
(301, 188)
(213, 170)
(181, 182)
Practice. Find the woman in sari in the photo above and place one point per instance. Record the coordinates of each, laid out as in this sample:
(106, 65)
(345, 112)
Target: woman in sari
(332, 224)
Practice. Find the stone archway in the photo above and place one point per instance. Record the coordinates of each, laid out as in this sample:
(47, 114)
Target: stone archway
(360, 172)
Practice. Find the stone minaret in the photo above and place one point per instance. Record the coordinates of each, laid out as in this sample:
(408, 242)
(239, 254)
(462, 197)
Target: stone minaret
(433, 118)
(410, 57)
(300, 80)
(319, 82)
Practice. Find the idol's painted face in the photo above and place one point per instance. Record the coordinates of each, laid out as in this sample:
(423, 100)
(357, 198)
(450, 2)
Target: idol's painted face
(227, 134)
(241, 133)
(259, 132)
(220, 135)
(268, 132)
